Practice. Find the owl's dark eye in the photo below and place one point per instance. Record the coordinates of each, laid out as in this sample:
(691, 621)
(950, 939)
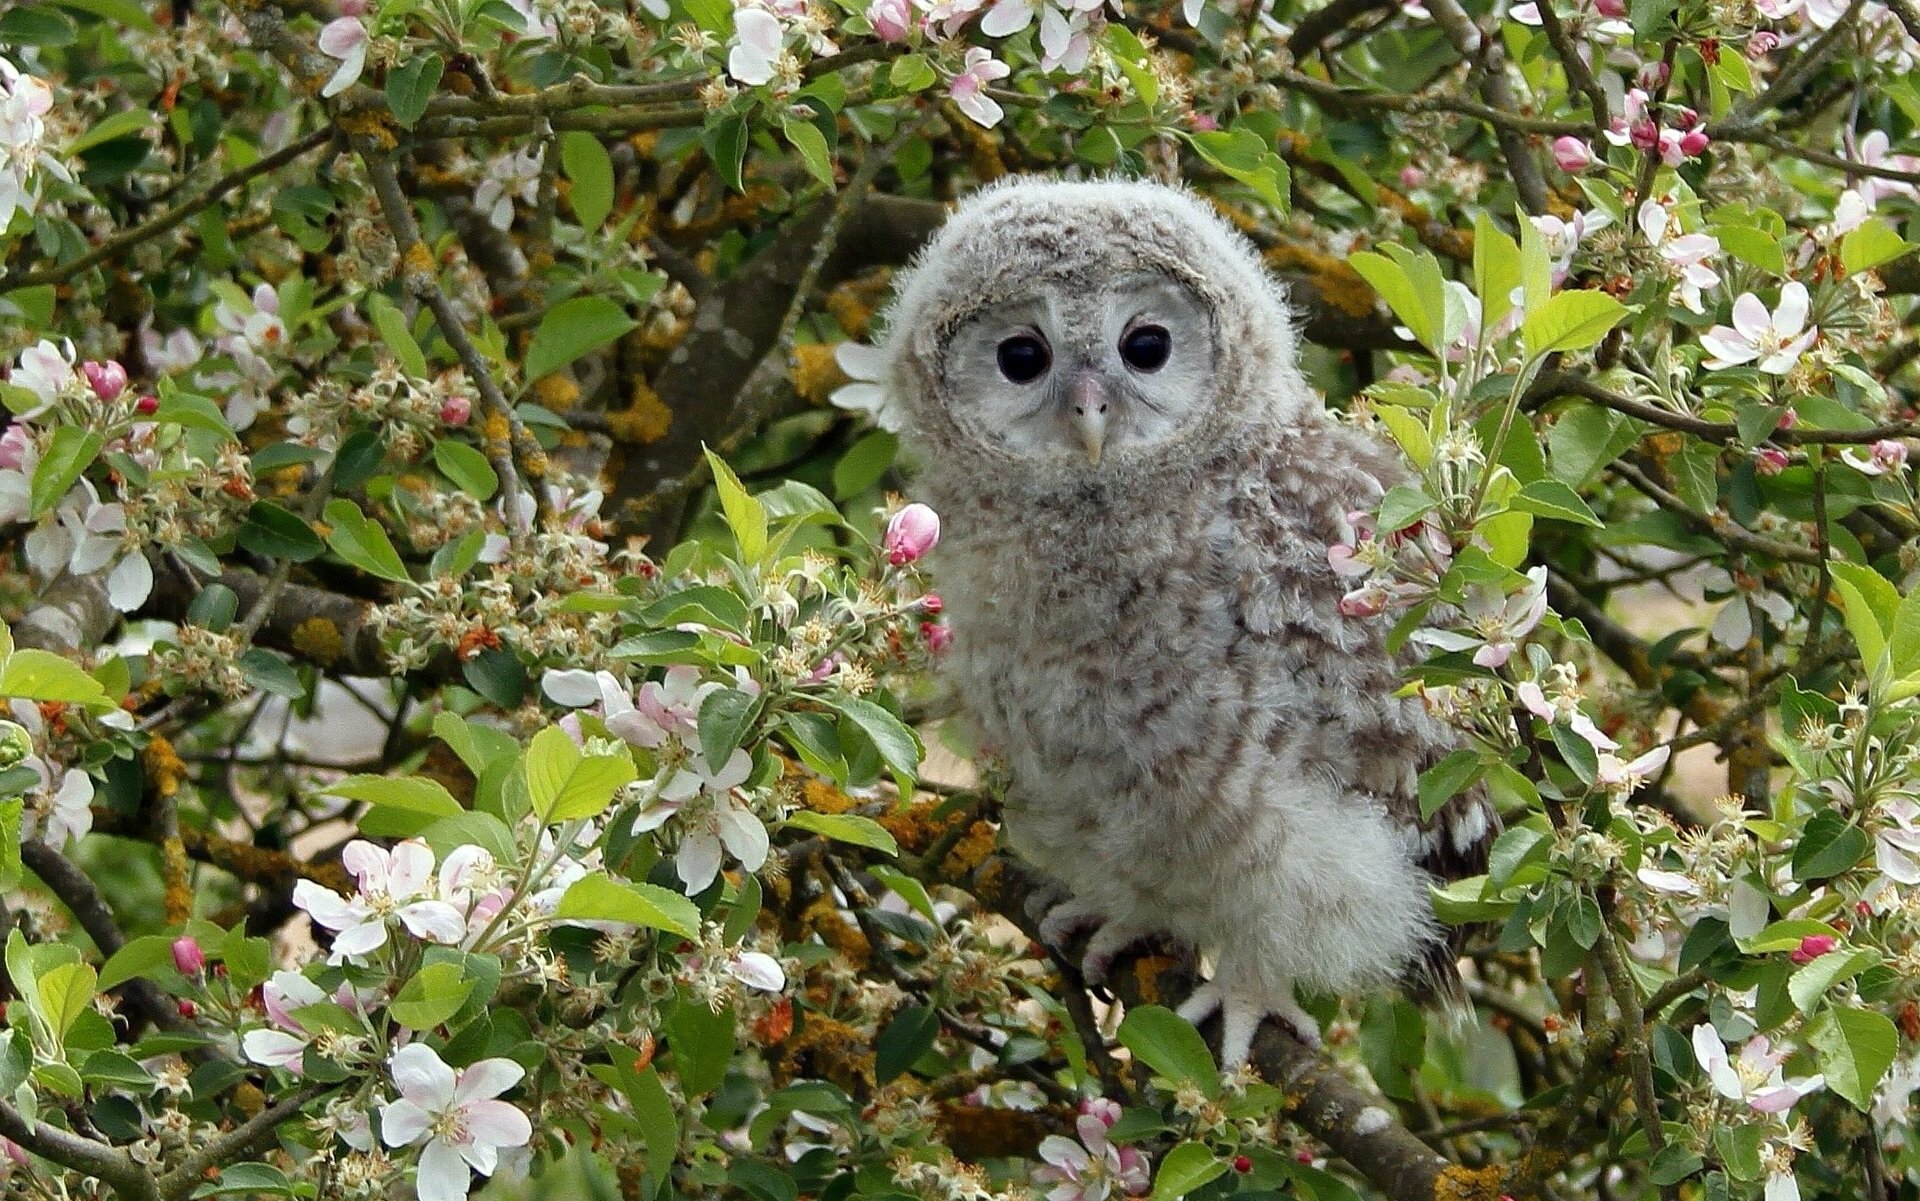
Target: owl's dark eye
(1023, 358)
(1146, 347)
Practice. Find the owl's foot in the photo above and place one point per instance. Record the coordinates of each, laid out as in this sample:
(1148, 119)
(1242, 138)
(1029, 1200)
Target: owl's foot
(1110, 936)
(1241, 1015)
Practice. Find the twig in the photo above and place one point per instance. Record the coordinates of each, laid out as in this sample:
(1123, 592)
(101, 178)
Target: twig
(242, 1141)
(77, 892)
(1554, 384)
(162, 222)
(1578, 74)
(1489, 64)
(1788, 83)
(1717, 526)
(129, 1181)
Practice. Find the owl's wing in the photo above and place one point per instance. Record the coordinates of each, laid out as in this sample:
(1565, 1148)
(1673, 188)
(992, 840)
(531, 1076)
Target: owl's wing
(1355, 731)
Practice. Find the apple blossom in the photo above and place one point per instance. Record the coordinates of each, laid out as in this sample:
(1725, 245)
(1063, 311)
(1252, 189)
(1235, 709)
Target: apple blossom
(284, 1044)
(758, 38)
(1623, 777)
(892, 20)
(911, 533)
(1882, 457)
(1498, 621)
(1775, 339)
(1755, 1077)
(1094, 1168)
(453, 1116)
(392, 886)
(107, 380)
(344, 38)
(866, 366)
(969, 87)
(1572, 154)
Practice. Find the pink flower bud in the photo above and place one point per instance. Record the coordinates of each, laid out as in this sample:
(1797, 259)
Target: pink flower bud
(1611, 8)
(1363, 602)
(15, 1152)
(1762, 43)
(1644, 134)
(456, 410)
(1203, 123)
(14, 445)
(108, 380)
(913, 532)
(353, 8)
(931, 604)
(1769, 461)
(1789, 417)
(1693, 142)
(188, 957)
(892, 20)
(1572, 154)
(1654, 76)
(1412, 177)
(187, 1008)
(1813, 947)
(1889, 455)
(938, 637)
(147, 406)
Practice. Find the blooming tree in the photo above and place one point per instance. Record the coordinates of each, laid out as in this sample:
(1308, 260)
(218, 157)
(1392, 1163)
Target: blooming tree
(472, 661)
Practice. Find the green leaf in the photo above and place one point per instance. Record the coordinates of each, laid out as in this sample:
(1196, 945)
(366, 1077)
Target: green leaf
(745, 516)
(1168, 1043)
(846, 827)
(395, 336)
(32, 675)
(250, 1178)
(1401, 507)
(1396, 287)
(1871, 245)
(435, 994)
(1829, 846)
(1496, 264)
(806, 137)
(1855, 1046)
(1131, 57)
(147, 956)
(725, 714)
(563, 784)
(362, 542)
(65, 992)
(1446, 779)
(1571, 321)
(411, 85)
(899, 747)
(907, 1037)
(1815, 979)
(702, 1045)
(597, 897)
(279, 534)
(866, 461)
(467, 468)
(1551, 498)
(726, 142)
(498, 675)
(589, 171)
(1184, 1170)
(1246, 156)
(70, 453)
(1870, 605)
(913, 73)
(573, 328)
(193, 412)
(270, 671)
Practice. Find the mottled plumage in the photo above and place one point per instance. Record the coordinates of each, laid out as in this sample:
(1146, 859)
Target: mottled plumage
(1145, 623)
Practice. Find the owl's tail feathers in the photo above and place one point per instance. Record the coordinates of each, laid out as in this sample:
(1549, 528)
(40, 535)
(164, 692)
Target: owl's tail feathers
(1433, 980)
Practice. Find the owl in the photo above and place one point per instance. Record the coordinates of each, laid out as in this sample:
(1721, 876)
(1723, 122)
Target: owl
(1138, 492)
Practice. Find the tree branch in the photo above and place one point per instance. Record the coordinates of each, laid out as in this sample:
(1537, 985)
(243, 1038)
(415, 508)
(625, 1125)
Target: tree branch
(129, 1181)
(90, 909)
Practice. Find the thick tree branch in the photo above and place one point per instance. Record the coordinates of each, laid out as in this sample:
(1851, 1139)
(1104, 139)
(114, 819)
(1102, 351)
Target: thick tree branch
(1554, 384)
(95, 916)
(113, 1167)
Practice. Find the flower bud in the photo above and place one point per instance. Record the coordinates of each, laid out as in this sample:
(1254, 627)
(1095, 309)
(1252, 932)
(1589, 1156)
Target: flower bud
(188, 957)
(187, 1008)
(14, 445)
(147, 406)
(1693, 142)
(1762, 43)
(456, 410)
(1769, 461)
(931, 604)
(1644, 134)
(108, 380)
(1889, 455)
(938, 637)
(1654, 76)
(1572, 154)
(892, 20)
(1616, 9)
(1813, 947)
(913, 532)
(1789, 417)
(1412, 177)
(1363, 602)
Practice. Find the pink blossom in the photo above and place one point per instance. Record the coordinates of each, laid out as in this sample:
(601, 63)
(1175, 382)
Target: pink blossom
(392, 885)
(344, 38)
(1093, 1168)
(757, 47)
(1202, 122)
(1624, 777)
(892, 20)
(1573, 154)
(938, 637)
(453, 1116)
(1762, 43)
(911, 533)
(1812, 947)
(1554, 710)
(1882, 457)
(108, 380)
(285, 1047)
(188, 957)
(1498, 621)
(1755, 1077)
(1769, 461)
(969, 87)
(456, 410)
(15, 445)
(1775, 339)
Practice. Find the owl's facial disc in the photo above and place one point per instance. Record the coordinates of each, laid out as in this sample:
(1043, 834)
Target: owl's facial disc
(1067, 372)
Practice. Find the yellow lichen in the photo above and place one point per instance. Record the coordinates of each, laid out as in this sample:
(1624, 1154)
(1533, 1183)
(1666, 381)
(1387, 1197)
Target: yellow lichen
(164, 767)
(646, 419)
(418, 260)
(1457, 1182)
(814, 372)
(373, 124)
(495, 428)
(318, 638)
(558, 391)
(1338, 284)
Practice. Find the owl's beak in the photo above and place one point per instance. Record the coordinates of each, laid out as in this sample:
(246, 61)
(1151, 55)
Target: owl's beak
(1088, 402)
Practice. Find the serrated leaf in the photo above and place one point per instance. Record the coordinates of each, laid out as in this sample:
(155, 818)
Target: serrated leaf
(906, 1037)
(899, 747)
(563, 784)
(1571, 321)
(279, 534)
(805, 137)
(589, 171)
(745, 515)
(574, 328)
(68, 455)
(35, 675)
(1553, 499)
(435, 993)
(395, 337)
(1855, 1047)
(1447, 779)
(597, 897)
(1168, 1043)
(846, 827)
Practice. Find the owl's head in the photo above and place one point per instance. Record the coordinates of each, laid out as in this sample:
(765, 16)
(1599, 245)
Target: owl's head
(1089, 328)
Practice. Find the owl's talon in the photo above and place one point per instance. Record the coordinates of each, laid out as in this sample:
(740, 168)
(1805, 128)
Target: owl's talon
(1240, 1018)
(1107, 943)
(1062, 921)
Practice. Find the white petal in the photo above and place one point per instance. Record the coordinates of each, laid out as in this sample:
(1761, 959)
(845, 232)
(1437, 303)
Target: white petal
(573, 688)
(1007, 17)
(758, 971)
(744, 836)
(1791, 315)
(434, 921)
(130, 582)
(274, 1048)
(498, 1124)
(403, 1123)
(488, 1079)
(443, 1174)
(698, 861)
(423, 1077)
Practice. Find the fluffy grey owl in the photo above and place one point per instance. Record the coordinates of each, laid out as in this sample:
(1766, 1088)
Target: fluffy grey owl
(1138, 491)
